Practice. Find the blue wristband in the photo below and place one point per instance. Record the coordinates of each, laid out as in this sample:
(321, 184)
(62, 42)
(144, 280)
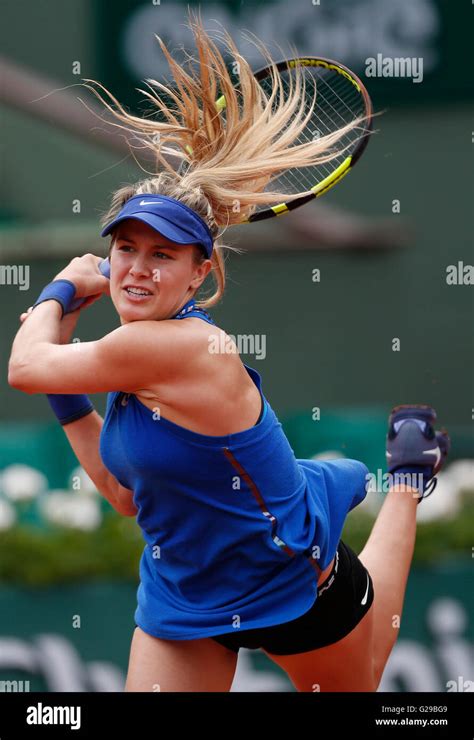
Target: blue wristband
(69, 408)
(62, 291)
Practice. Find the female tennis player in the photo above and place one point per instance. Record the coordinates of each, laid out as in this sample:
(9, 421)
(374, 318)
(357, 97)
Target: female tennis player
(242, 540)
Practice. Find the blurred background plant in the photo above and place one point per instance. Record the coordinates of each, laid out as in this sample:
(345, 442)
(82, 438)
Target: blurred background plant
(65, 535)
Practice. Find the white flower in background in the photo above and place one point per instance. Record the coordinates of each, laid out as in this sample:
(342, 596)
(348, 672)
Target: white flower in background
(328, 455)
(7, 515)
(462, 474)
(68, 510)
(446, 500)
(23, 483)
(80, 482)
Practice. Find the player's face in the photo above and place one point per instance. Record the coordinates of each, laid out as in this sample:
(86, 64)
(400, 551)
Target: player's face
(150, 275)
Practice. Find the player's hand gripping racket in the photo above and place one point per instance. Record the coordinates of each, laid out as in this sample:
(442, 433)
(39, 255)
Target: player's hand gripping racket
(341, 98)
(104, 267)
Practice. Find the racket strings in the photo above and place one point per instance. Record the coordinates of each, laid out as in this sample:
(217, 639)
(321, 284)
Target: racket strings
(338, 103)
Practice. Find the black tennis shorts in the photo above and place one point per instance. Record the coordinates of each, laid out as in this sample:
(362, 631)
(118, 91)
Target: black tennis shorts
(343, 599)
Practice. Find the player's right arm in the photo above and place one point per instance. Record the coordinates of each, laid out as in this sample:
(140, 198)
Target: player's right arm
(42, 361)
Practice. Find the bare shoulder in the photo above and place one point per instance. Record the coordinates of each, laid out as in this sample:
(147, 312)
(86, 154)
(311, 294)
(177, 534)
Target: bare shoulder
(201, 341)
(169, 347)
(206, 387)
(157, 335)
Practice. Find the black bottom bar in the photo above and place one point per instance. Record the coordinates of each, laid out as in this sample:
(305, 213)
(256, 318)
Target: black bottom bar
(77, 715)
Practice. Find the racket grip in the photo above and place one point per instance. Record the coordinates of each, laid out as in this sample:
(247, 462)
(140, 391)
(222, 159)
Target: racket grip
(104, 267)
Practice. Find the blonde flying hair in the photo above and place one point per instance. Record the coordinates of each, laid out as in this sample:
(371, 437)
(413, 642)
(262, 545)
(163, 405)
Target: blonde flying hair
(226, 164)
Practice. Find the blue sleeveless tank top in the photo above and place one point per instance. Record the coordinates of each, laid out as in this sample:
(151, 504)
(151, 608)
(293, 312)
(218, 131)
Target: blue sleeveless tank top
(236, 529)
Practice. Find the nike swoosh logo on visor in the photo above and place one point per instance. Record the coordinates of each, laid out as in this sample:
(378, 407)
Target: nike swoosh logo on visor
(150, 202)
(435, 451)
(364, 600)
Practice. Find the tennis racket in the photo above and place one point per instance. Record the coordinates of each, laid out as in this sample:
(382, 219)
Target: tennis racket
(341, 98)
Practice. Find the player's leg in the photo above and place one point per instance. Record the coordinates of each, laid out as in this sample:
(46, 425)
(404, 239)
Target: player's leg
(387, 556)
(413, 448)
(356, 662)
(346, 665)
(178, 665)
